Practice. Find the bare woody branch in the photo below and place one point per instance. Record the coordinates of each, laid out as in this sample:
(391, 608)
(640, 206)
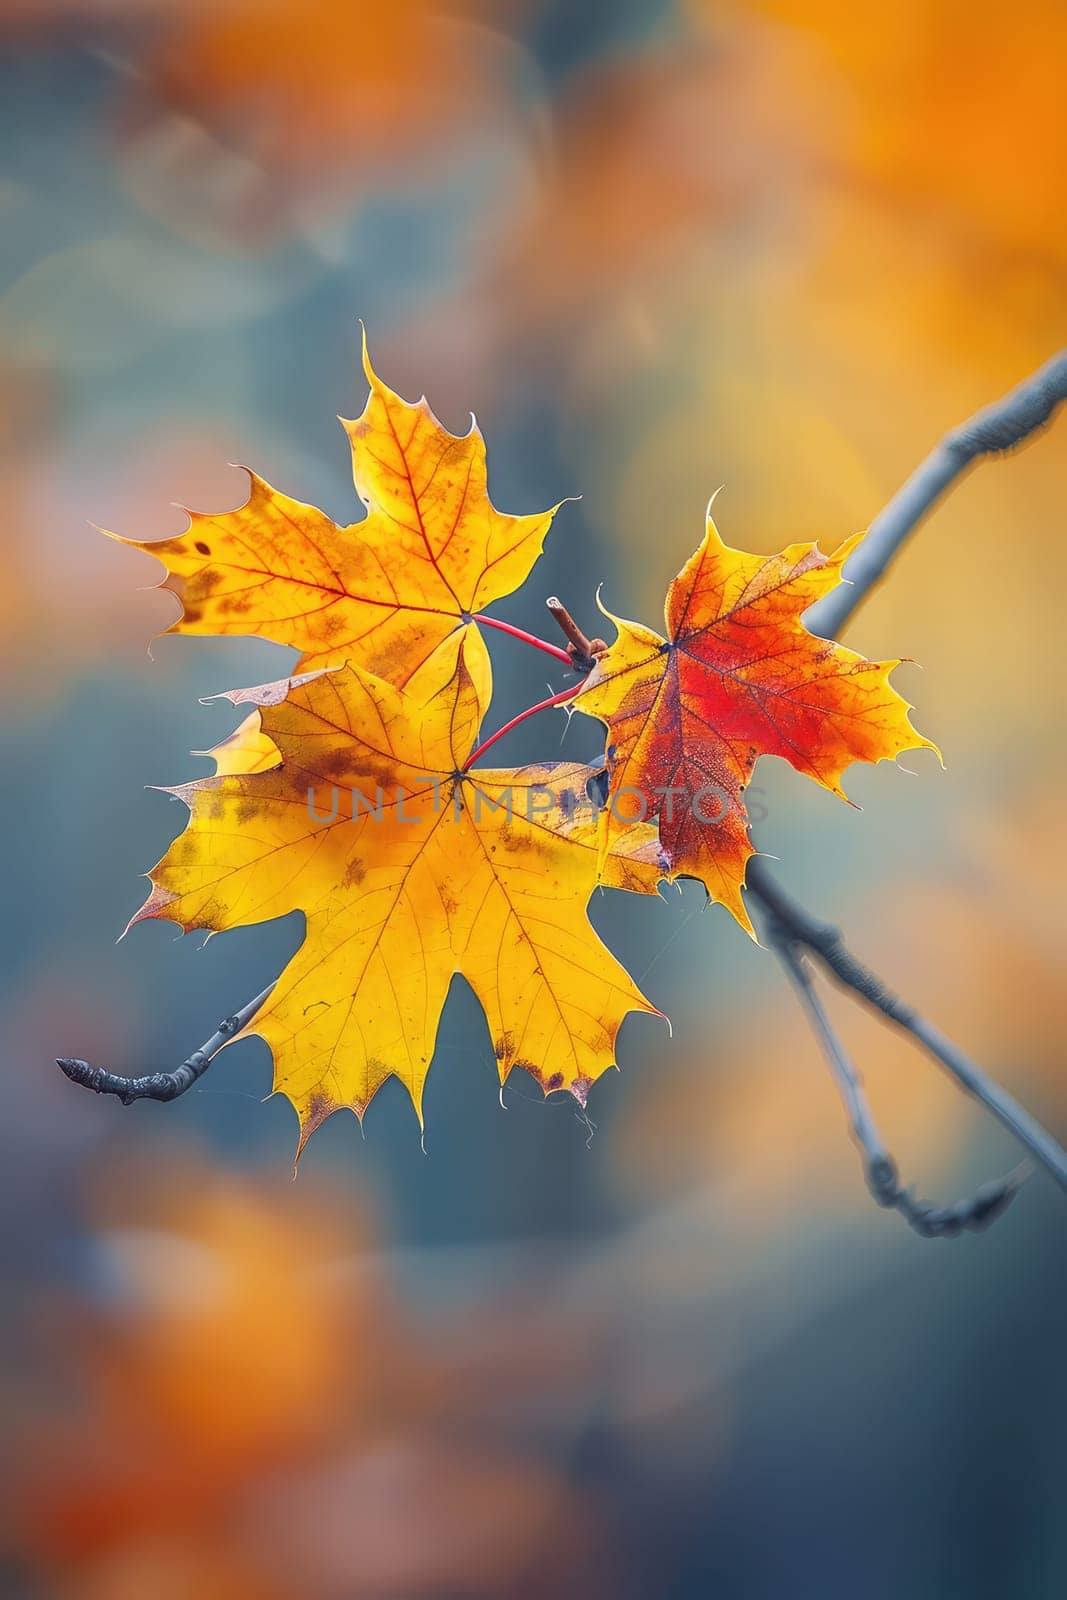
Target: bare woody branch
(163, 1085)
(991, 431)
(792, 930)
(932, 1222)
(789, 920)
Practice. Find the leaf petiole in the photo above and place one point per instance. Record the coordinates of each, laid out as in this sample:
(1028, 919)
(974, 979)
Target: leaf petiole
(542, 705)
(527, 638)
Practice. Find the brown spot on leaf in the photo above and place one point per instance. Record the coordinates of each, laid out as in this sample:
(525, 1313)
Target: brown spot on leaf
(333, 763)
(378, 1070)
(319, 1108)
(580, 1090)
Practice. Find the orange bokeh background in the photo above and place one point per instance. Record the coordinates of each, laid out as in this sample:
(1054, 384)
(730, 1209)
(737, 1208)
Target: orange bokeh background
(778, 246)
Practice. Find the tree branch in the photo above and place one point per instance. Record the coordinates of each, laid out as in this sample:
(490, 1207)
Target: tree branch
(162, 1085)
(825, 942)
(792, 929)
(991, 431)
(976, 1211)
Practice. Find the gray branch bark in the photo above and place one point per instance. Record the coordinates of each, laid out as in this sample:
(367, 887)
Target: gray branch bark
(791, 930)
(992, 431)
(162, 1085)
(883, 1180)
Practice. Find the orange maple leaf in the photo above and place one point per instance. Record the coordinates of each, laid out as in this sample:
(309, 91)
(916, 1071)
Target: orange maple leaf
(410, 869)
(383, 593)
(737, 676)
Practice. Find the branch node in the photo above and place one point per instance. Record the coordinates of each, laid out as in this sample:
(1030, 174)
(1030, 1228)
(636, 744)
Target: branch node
(883, 1180)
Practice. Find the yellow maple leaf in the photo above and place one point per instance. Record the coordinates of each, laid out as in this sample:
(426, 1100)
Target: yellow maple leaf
(409, 869)
(737, 676)
(384, 593)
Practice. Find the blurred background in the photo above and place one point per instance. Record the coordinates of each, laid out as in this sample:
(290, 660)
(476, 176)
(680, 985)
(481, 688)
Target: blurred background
(776, 245)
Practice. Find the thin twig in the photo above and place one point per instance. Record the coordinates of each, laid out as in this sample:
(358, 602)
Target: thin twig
(998, 428)
(581, 650)
(826, 943)
(977, 1211)
(163, 1085)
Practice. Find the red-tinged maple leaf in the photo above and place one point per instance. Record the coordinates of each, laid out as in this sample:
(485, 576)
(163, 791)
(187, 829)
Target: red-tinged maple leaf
(737, 676)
